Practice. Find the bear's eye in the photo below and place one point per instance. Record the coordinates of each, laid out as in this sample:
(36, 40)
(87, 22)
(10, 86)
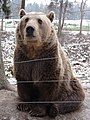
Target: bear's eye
(27, 19)
(40, 21)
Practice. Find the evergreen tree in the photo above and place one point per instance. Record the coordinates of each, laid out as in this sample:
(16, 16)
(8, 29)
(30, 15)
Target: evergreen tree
(6, 7)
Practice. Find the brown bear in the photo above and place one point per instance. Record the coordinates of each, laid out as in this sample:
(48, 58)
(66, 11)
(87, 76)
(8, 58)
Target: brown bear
(45, 82)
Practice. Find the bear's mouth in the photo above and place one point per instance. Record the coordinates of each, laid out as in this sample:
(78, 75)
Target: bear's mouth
(30, 36)
(30, 39)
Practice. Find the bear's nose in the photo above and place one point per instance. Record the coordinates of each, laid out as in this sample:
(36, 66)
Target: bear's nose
(30, 31)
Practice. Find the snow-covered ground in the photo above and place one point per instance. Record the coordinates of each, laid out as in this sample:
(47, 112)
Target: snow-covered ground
(8, 46)
(78, 50)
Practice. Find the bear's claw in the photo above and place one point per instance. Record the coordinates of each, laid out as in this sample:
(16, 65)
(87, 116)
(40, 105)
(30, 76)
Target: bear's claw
(37, 112)
(23, 107)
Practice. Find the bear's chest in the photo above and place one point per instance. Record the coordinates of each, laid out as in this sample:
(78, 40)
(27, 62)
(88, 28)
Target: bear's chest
(30, 70)
(37, 70)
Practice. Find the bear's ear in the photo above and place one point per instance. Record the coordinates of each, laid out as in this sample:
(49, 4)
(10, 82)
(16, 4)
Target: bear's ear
(51, 16)
(22, 13)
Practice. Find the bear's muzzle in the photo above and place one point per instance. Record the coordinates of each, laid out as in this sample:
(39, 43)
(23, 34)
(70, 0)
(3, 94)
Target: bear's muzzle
(30, 31)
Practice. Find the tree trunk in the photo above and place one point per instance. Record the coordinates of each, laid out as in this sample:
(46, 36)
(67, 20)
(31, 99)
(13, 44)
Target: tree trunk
(80, 32)
(60, 18)
(2, 24)
(82, 10)
(22, 4)
(63, 18)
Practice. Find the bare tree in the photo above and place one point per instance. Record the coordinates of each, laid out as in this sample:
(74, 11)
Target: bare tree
(82, 13)
(62, 9)
(22, 4)
(60, 18)
(64, 13)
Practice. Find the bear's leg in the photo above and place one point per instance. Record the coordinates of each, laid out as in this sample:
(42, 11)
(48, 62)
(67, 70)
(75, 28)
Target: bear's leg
(69, 106)
(24, 96)
(52, 110)
(38, 110)
(71, 100)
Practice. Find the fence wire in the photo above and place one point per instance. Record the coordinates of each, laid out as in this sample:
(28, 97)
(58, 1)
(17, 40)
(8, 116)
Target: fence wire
(46, 81)
(46, 102)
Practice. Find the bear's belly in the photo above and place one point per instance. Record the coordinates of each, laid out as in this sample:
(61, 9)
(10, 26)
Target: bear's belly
(28, 76)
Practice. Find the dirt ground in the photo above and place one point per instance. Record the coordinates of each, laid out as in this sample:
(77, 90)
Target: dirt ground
(8, 111)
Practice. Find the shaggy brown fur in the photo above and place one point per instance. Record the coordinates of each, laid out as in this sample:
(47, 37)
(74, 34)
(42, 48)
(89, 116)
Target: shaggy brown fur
(41, 59)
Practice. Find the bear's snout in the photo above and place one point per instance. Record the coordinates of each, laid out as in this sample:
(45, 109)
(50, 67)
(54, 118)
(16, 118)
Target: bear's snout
(30, 31)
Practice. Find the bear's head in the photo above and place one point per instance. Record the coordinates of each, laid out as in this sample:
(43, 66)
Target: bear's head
(35, 28)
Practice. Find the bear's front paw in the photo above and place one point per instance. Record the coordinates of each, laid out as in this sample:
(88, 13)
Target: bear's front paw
(23, 107)
(38, 112)
(53, 111)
